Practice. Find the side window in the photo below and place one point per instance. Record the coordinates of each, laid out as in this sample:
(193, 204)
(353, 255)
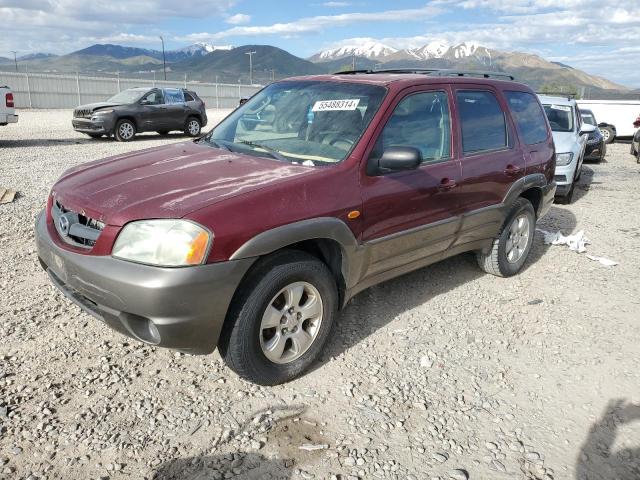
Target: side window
(188, 97)
(154, 98)
(529, 116)
(482, 120)
(422, 121)
(173, 95)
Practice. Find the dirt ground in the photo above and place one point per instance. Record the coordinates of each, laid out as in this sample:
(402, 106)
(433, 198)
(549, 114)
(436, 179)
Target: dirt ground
(444, 373)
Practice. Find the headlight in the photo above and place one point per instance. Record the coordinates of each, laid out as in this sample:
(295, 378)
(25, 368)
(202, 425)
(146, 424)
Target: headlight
(168, 243)
(103, 112)
(564, 158)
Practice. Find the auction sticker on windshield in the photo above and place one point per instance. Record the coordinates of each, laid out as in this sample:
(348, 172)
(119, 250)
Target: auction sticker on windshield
(562, 108)
(333, 105)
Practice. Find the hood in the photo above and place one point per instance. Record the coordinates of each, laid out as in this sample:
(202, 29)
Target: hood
(565, 142)
(166, 182)
(92, 107)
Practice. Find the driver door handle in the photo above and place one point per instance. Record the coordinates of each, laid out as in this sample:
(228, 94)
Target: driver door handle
(447, 184)
(512, 170)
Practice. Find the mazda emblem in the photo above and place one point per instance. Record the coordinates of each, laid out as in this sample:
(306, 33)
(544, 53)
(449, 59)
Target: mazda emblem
(63, 223)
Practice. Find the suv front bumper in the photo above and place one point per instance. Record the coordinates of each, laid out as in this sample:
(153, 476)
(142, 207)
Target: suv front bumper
(103, 126)
(179, 308)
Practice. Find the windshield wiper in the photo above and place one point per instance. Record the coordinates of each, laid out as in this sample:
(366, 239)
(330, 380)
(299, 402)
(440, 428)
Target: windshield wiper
(216, 144)
(271, 151)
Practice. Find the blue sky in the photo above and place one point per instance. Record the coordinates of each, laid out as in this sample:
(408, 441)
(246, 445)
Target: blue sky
(601, 37)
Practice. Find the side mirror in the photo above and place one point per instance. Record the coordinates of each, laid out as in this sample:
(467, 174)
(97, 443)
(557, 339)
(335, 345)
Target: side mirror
(587, 128)
(395, 159)
(242, 101)
(636, 124)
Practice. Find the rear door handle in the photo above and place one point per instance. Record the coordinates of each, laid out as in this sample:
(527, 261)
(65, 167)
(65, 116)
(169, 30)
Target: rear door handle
(447, 184)
(512, 170)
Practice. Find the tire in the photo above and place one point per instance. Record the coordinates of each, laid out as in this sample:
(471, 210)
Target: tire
(567, 198)
(95, 135)
(608, 133)
(632, 150)
(125, 130)
(245, 342)
(497, 261)
(192, 127)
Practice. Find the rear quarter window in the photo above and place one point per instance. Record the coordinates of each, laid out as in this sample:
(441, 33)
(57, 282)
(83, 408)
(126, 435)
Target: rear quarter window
(188, 97)
(529, 116)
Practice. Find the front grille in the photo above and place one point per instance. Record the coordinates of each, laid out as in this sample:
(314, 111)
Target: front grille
(75, 228)
(82, 113)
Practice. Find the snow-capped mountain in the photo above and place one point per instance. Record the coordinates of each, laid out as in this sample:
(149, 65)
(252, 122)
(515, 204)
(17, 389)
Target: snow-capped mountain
(381, 52)
(368, 49)
(202, 48)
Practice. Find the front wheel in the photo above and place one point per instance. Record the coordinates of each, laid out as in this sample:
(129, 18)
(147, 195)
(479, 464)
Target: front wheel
(280, 322)
(192, 127)
(607, 134)
(511, 248)
(125, 131)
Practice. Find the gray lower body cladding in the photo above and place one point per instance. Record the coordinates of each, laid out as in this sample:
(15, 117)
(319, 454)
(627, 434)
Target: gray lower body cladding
(179, 308)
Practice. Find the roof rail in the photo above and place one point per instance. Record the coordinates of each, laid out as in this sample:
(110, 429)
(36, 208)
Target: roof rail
(352, 72)
(436, 72)
(570, 96)
(471, 73)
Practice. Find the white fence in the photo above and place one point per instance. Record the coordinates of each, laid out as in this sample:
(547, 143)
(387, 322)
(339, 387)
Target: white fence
(46, 90)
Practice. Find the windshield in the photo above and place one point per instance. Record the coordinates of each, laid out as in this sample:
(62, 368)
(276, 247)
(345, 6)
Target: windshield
(127, 96)
(308, 122)
(560, 117)
(587, 117)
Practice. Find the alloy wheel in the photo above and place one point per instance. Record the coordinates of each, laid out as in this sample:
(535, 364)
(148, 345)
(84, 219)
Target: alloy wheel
(126, 131)
(518, 238)
(291, 322)
(193, 127)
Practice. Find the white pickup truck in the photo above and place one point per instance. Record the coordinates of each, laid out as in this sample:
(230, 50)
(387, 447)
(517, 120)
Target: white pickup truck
(7, 110)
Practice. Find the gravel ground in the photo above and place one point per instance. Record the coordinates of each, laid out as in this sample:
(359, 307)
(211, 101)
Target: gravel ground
(444, 373)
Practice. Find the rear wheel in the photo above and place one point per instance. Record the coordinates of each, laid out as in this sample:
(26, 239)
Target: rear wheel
(511, 248)
(125, 131)
(192, 127)
(607, 134)
(280, 322)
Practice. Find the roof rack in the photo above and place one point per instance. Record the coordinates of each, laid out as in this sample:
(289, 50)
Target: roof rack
(436, 72)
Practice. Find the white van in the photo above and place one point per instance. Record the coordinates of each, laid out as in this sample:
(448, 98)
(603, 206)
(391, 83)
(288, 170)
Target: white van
(616, 117)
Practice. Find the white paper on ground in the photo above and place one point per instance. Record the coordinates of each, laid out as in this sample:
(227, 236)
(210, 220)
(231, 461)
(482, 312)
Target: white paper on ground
(604, 261)
(575, 242)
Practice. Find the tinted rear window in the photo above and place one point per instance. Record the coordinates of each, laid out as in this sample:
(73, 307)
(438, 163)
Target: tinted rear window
(482, 120)
(529, 116)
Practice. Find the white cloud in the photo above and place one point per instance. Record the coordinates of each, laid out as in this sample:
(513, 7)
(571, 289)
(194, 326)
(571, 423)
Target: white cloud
(62, 25)
(318, 23)
(336, 4)
(238, 19)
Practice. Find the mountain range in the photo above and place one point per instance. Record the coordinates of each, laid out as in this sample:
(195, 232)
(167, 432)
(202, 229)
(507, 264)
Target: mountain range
(207, 62)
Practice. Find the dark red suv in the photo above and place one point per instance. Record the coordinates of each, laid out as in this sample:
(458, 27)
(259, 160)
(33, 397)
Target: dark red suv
(252, 237)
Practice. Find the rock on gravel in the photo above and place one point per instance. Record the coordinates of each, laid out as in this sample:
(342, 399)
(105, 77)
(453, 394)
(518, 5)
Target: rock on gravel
(516, 377)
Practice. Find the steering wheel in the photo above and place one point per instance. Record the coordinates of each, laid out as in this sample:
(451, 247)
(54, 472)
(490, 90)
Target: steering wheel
(346, 140)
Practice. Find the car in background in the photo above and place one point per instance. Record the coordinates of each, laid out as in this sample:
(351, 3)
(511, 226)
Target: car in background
(139, 110)
(7, 107)
(616, 116)
(570, 138)
(596, 147)
(635, 141)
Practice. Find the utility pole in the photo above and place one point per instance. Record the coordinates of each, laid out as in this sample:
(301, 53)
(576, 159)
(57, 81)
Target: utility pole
(250, 66)
(15, 58)
(164, 60)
